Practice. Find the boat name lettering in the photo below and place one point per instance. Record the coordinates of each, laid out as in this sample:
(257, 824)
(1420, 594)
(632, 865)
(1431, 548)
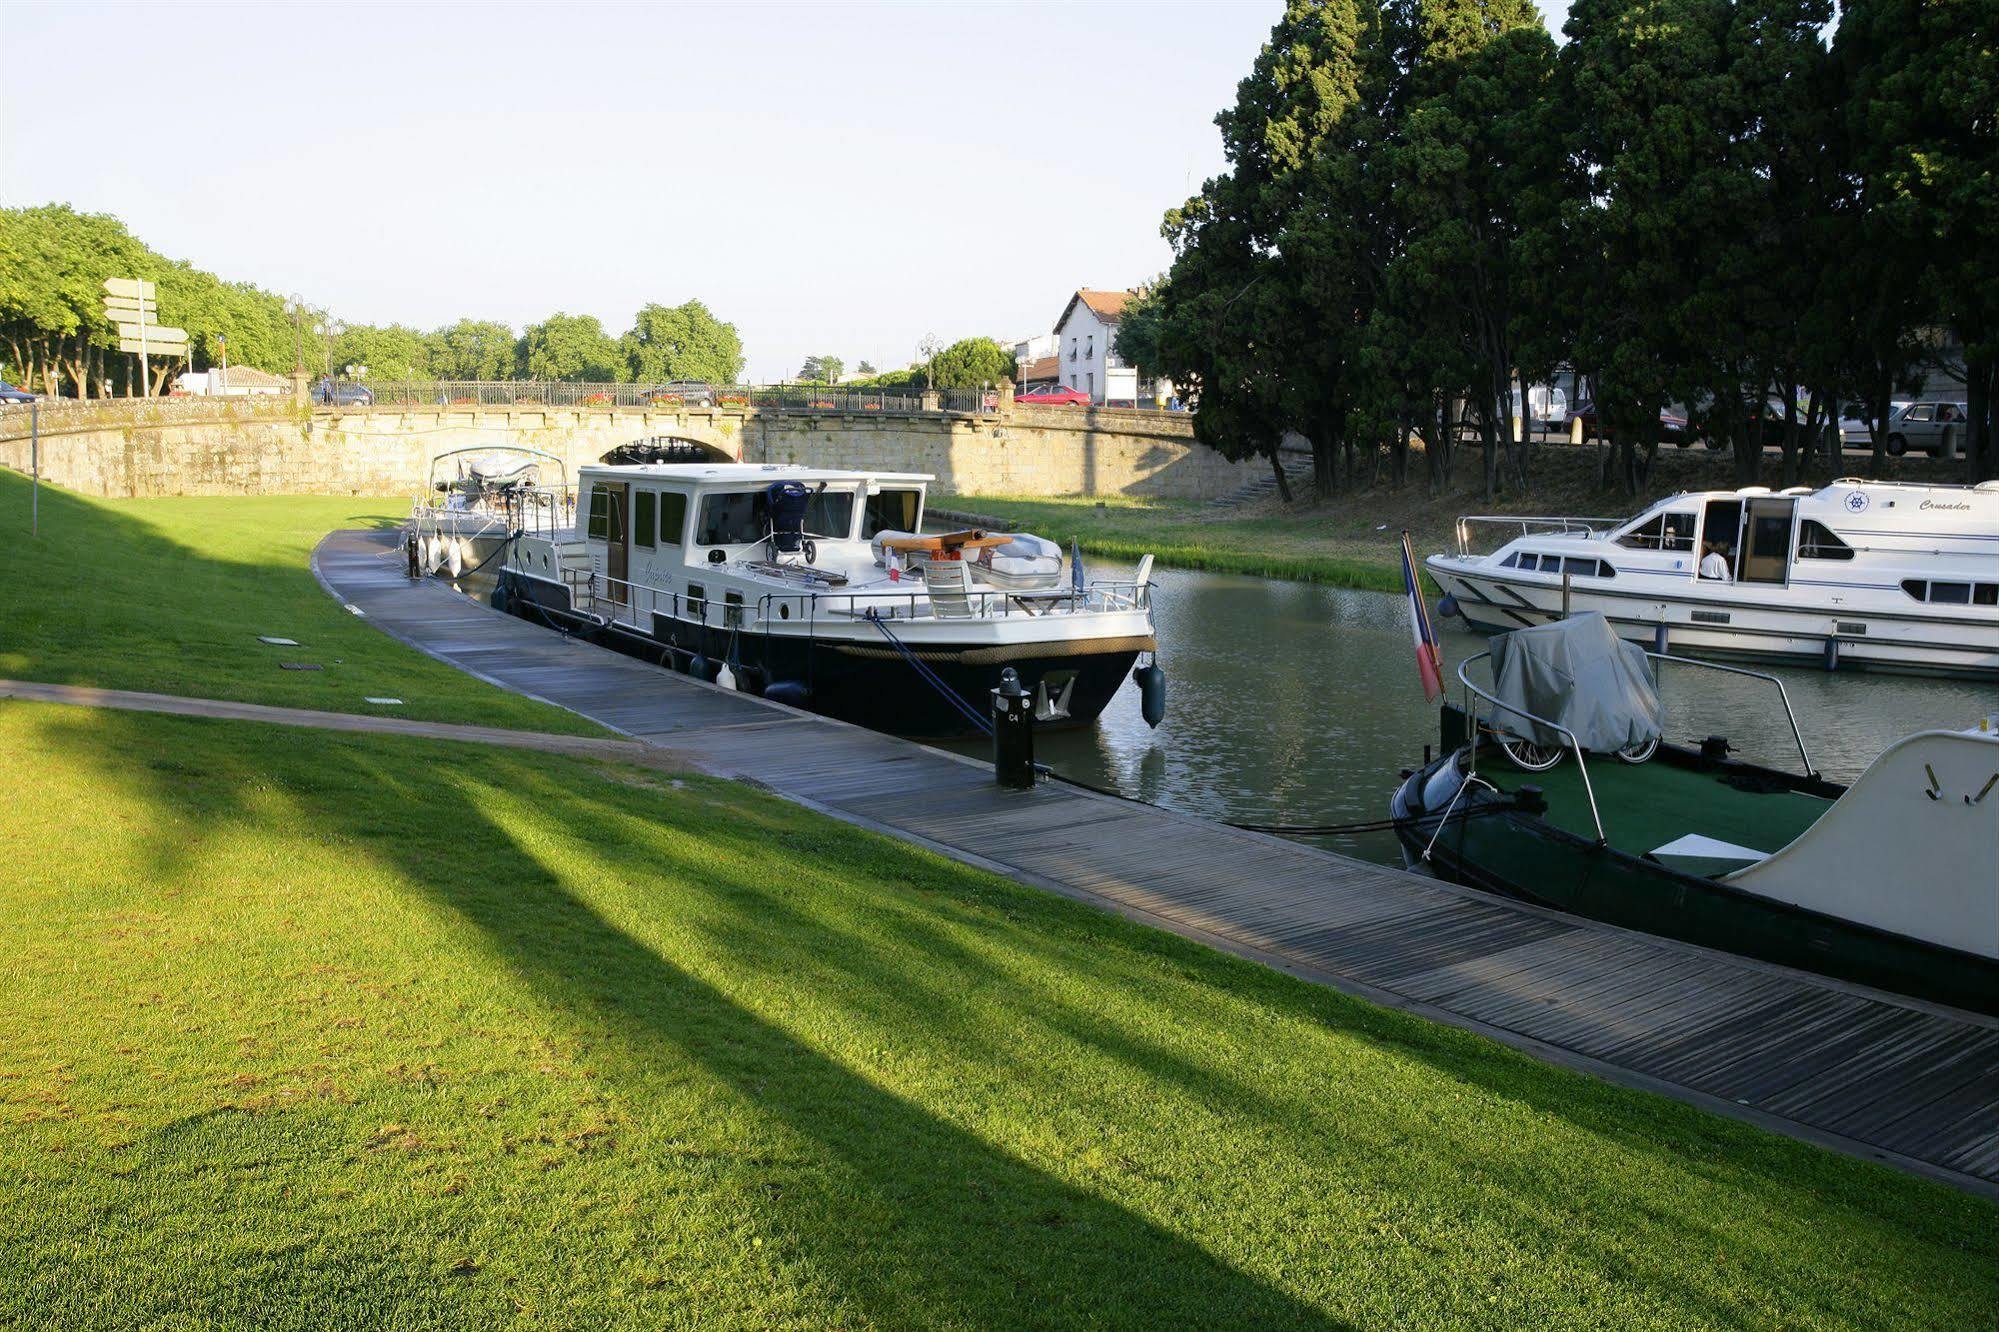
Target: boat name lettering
(1945, 504)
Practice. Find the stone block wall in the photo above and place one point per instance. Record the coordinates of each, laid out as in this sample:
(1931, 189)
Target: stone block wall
(274, 446)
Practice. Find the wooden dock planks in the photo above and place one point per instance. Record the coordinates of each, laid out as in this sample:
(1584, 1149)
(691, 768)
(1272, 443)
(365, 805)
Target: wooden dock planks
(1876, 1075)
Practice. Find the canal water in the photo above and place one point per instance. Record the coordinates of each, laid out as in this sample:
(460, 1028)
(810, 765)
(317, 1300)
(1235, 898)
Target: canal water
(1299, 704)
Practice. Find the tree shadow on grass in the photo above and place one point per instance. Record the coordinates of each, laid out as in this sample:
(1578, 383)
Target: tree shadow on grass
(911, 1218)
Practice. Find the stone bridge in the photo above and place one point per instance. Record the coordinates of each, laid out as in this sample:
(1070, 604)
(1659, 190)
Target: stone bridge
(213, 446)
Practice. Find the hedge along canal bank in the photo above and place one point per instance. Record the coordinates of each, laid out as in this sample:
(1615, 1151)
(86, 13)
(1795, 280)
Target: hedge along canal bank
(1299, 703)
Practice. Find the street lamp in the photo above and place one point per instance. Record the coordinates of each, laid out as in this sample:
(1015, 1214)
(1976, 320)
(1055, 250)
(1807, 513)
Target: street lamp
(295, 307)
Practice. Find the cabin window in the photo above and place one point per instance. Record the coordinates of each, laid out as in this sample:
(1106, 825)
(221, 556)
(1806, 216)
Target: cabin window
(890, 511)
(735, 519)
(600, 512)
(645, 517)
(1668, 531)
(697, 602)
(672, 517)
(1817, 542)
(732, 609)
(1580, 568)
(830, 514)
(1940, 593)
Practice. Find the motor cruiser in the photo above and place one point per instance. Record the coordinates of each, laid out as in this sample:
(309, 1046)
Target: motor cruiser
(818, 587)
(1874, 574)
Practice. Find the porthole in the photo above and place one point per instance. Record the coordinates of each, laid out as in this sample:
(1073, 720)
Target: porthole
(784, 612)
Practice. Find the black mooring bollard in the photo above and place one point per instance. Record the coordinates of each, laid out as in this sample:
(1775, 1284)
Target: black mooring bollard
(1013, 733)
(410, 544)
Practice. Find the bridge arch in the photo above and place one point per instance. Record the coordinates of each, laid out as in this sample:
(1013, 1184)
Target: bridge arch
(669, 449)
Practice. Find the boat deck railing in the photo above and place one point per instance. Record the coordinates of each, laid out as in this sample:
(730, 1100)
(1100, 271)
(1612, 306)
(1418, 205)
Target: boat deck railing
(1575, 746)
(630, 602)
(1521, 525)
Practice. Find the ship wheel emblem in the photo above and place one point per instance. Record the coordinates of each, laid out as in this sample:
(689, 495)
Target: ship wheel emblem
(1856, 501)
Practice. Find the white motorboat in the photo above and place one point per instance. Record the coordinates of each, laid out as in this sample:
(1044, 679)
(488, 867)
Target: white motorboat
(817, 587)
(471, 504)
(1876, 574)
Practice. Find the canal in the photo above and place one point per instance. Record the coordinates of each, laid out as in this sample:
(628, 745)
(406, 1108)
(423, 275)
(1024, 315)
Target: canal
(1297, 703)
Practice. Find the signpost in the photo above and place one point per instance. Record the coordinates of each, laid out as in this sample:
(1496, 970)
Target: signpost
(131, 304)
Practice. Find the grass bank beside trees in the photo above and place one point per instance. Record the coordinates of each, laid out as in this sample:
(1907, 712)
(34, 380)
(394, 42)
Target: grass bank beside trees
(316, 1031)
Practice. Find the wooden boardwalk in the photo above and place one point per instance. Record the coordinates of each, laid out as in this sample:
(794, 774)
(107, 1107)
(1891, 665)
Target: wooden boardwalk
(1879, 1076)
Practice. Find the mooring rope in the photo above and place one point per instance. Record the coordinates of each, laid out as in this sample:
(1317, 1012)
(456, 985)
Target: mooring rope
(930, 677)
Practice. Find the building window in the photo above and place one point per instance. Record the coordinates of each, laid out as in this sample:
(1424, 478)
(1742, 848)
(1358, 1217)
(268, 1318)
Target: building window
(1072, 349)
(1090, 348)
(1091, 380)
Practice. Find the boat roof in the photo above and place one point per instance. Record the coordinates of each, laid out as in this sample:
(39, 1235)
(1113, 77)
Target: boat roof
(738, 473)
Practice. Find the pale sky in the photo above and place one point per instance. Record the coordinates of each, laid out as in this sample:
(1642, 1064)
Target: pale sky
(838, 179)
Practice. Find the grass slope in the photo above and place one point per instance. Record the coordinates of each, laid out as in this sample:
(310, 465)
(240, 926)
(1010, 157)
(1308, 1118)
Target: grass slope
(1272, 542)
(318, 1031)
(170, 595)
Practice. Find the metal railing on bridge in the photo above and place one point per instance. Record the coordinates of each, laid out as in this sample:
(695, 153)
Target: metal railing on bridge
(902, 401)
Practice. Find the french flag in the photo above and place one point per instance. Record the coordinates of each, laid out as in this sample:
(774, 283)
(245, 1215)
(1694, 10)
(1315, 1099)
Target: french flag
(1429, 660)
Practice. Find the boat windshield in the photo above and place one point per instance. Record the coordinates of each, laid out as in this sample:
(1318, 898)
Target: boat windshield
(742, 517)
(1662, 531)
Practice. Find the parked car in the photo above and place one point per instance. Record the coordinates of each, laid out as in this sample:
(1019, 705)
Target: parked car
(8, 393)
(1935, 427)
(680, 393)
(1856, 430)
(343, 393)
(1053, 395)
(1672, 426)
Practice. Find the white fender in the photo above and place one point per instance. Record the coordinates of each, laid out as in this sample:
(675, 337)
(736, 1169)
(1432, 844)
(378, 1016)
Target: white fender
(433, 553)
(725, 677)
(454, 557)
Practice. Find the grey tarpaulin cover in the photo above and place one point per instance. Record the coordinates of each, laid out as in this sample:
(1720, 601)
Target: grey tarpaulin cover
(1579, 673)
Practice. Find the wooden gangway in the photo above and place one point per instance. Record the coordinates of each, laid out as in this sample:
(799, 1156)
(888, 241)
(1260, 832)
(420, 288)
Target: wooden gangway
(1876, 1075)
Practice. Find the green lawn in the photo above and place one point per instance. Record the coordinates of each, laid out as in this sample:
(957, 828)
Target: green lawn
(170, 595)
(316, 1031)
(1309, 545)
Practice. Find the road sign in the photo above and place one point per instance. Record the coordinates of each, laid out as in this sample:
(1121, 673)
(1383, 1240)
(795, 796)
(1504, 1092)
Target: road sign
(149, 347)
(119, 306)
(132, 287)
(160, 335)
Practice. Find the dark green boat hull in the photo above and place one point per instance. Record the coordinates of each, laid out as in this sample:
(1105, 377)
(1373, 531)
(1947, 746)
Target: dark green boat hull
(1497, 844)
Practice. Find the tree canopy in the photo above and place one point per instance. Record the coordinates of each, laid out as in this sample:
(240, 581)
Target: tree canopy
(681, 342)
(1427, 207)
(971, 363)
(55, 338)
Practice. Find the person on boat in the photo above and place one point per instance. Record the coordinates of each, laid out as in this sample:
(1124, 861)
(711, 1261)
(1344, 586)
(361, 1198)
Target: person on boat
(1715, 564)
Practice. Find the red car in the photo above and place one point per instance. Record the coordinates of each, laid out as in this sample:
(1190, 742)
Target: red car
(1053, 395)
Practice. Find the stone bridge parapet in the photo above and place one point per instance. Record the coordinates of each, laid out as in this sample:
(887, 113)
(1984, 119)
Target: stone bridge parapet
(274, 445)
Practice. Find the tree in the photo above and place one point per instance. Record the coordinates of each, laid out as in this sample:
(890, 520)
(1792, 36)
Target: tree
(575, 347)
(473, 349)
(865, 369)
(1462, 167)
(683, 341)
(383, 352)
(1645, 107)
(822, 369)
(971, 363)
(1922, 97)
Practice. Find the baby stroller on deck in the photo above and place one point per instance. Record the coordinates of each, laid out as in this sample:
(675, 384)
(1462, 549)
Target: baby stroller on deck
(787, 503)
